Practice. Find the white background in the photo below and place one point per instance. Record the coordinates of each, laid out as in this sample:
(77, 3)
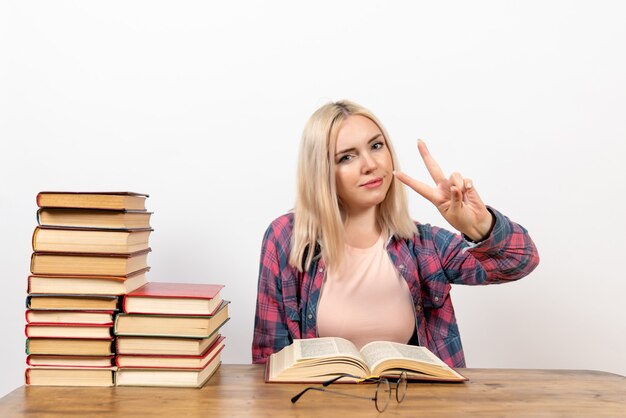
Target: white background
(201, 105)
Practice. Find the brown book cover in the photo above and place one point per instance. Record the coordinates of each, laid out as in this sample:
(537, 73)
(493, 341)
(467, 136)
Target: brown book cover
(89, 240)
(93, 218)
(52, 376)
(67, 284)
(49, 263)
(177, 346)
(72, 302)
(101, 362)
(69, 346)
(50, 317)
(171, 325)
(69, 330)
(92, 200)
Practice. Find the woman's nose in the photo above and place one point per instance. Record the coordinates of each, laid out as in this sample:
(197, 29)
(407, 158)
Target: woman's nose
(368, 163)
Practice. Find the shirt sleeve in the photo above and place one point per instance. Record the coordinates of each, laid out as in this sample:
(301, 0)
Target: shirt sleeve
(507, 254)
(270, 325)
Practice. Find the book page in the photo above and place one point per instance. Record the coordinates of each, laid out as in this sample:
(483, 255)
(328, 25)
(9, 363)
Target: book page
(325, 347)
(377, 351)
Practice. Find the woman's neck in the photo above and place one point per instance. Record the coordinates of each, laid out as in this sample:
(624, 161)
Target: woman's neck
(361, 228)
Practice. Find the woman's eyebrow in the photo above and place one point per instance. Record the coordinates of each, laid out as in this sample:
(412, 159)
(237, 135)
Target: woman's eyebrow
(375, 137)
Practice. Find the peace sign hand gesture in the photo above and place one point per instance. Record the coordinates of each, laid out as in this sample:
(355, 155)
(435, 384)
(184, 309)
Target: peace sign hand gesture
(456, 198)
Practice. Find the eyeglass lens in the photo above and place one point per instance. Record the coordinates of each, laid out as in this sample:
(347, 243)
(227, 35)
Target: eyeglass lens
(383, 393)
(401, 387)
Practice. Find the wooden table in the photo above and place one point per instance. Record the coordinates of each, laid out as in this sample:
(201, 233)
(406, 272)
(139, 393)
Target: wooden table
(238, 390)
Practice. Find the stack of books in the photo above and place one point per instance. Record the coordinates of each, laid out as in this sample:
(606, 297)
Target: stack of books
(168, 335)
(89, 249)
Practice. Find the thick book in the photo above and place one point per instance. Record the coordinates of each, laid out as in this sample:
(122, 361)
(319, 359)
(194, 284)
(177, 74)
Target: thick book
(174, 299)
(82, 240)
(101, 362)
(320, 359)
(94, 218)
(47, 263)
(93, 200)
(69, 346)
(171, 325)
(169, 361)
(70, 302)
(89, 331)
(190, 378)
(69, 317)
(86, 284)
(164, 345)
(52, 376)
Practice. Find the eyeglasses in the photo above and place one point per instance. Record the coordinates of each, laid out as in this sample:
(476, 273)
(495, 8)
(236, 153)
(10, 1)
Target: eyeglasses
(381, 396)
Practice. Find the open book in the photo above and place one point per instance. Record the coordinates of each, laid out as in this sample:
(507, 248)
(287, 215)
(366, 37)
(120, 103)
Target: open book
(320, 359)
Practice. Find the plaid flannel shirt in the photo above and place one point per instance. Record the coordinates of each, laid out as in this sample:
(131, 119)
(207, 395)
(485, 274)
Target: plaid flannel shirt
(430, 262)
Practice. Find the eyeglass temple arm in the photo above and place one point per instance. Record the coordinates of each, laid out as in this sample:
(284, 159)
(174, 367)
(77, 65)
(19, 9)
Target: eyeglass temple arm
(361, 379)
(299, 395)
(295, 398)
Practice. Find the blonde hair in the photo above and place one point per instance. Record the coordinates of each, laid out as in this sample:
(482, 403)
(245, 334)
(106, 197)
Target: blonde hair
(318, 212)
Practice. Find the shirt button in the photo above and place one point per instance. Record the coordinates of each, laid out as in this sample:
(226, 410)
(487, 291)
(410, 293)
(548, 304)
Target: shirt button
(310, 316)
(436, 298)
(401, 266)
(321, 269)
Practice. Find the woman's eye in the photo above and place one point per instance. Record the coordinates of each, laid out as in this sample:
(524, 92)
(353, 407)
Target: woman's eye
(377, 145)
(344, 159)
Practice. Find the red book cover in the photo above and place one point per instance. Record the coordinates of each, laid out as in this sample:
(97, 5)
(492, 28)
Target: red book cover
(165, 292)
(177, 290)
(207, 356)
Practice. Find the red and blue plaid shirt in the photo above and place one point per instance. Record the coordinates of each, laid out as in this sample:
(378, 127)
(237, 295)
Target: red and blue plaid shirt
(430, 262)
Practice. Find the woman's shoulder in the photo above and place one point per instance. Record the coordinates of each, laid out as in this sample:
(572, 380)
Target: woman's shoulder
(283, 221)
(281, 227)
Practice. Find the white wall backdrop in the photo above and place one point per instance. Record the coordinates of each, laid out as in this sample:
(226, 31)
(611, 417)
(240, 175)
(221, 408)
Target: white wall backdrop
(201, 105)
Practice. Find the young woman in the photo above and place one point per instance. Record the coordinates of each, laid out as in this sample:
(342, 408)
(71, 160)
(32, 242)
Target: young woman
(349, 261)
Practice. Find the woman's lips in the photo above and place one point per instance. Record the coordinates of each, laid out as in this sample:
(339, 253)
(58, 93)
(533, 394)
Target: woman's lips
(373, 183)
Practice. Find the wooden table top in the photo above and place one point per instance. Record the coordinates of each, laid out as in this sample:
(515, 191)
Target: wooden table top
(239, 390)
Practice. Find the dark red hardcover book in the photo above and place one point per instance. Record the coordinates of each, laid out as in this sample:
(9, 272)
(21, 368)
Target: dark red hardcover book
(174, 298)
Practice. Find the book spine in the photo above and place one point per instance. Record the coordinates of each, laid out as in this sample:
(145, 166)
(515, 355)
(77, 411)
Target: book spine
(32, 263)
(27, 376)
(66, 325)
(34, 240)
(117, 317)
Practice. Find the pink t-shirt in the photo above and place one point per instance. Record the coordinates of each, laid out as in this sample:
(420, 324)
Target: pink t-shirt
(366, 299)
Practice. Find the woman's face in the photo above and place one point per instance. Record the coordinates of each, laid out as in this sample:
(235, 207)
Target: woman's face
(363, 165)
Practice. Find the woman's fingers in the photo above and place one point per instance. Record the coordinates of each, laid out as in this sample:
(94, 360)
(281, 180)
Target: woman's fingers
(431, 165)
(423, 189)
(457, 180)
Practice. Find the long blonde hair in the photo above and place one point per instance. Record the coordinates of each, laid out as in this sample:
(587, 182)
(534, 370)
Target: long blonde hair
(318, 210)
